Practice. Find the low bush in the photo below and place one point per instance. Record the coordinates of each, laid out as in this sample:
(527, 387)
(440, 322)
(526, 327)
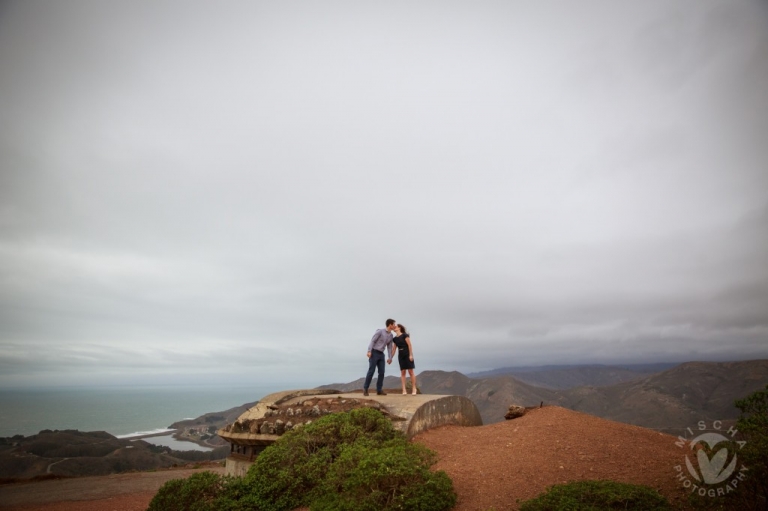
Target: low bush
(394, 476)
(195, 493)
(597, 496)
(345, 461)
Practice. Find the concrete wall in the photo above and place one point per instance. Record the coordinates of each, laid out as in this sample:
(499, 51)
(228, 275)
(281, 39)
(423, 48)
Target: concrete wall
(409, 414)
(236, 467)
(443, 411)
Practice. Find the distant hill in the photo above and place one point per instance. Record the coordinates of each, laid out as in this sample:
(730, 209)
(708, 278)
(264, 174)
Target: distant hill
(671, 400)
(208, 423)
(570, 376)
(492, 396)
(674, 399)
(78, 453)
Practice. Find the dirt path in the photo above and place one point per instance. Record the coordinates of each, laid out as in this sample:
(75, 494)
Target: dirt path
(117, 492)
(48, 470)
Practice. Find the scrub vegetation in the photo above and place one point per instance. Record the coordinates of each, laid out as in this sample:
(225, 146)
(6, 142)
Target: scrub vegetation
(345, 461)
(598, 496)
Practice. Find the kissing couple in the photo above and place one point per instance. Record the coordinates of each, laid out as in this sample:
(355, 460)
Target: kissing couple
(401, 342)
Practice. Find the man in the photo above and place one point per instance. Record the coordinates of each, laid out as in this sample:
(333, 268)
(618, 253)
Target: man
(381, 339)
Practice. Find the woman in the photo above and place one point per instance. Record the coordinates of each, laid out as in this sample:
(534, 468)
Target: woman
(405, 356)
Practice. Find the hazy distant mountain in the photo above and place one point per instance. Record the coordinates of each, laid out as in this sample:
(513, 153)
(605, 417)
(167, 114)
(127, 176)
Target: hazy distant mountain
(670, 400)
(550, 377)
(570, 376)
(492, 396)
(674, 399)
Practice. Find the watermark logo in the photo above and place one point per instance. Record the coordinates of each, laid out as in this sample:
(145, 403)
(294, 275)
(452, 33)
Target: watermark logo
(711, 460)
(711, 469)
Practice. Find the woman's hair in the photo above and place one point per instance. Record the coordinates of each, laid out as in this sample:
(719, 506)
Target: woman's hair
(402, 329)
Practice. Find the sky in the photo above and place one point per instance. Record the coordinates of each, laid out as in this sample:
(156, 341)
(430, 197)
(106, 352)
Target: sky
(243, 192)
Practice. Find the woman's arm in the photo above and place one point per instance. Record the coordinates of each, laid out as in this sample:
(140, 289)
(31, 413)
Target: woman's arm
(410, 347)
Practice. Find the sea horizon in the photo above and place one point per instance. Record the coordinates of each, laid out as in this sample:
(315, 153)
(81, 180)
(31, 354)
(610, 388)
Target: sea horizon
(125, 411)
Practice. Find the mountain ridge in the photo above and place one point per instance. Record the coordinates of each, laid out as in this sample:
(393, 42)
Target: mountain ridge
(669, 401)
(569, 376)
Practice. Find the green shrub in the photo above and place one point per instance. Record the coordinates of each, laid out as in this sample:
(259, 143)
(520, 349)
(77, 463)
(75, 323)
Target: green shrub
(352, 461)
(394, 476)
(236, 496)
(597, 496)
(195, 493)
(288, 474)
(346, 461)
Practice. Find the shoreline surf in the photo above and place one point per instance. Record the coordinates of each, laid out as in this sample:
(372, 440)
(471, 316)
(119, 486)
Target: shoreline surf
(145, 434)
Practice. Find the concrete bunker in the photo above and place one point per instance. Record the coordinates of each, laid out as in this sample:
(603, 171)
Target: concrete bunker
(262, 424)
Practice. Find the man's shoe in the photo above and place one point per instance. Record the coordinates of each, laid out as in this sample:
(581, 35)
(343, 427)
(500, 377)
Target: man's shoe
(365, 392)
(382, 393)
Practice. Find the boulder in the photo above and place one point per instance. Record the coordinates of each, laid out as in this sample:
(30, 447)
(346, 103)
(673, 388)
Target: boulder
(514, 412)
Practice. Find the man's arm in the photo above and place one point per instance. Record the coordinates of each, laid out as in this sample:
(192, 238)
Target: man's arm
(390, 348)
(370, 344)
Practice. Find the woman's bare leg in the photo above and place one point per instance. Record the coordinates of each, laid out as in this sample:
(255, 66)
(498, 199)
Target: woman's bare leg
(413, 381)
(402, 380)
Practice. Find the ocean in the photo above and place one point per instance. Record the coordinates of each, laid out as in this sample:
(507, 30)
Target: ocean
(121, 411)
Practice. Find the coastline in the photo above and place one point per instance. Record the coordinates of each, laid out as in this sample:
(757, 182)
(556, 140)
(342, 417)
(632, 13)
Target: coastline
(174, 440)
(146, 434)
(175, 434)
(125, 412)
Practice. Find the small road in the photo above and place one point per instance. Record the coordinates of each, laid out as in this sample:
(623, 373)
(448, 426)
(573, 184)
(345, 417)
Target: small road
(48, 470)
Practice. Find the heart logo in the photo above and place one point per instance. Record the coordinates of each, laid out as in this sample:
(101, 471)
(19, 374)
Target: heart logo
(711, 469)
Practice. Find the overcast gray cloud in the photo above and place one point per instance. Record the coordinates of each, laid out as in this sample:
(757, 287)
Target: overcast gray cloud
(198, 191)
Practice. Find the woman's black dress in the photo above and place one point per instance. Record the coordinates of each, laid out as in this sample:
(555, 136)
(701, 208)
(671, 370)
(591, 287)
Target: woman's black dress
(403, 353)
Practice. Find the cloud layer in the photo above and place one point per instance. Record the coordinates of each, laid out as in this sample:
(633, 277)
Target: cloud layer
(248, 190)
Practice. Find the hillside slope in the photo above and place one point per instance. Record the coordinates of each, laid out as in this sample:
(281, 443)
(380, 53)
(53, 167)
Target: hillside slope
(568, 377)
(674, 399)
(495, 465)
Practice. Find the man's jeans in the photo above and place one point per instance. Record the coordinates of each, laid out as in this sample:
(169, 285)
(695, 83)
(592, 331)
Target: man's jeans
(376, 360)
